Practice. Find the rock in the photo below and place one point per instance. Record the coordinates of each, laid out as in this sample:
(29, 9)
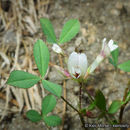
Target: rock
(76, 89)
(55, 76)
(115, 12)
(119, 5)
(70, 49)
(70, 84)
(10, 37)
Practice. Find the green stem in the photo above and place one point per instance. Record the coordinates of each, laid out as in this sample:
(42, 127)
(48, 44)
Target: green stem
(109, 120)
(80, 115)
(123, 107)
(80, 95)
(69, 104)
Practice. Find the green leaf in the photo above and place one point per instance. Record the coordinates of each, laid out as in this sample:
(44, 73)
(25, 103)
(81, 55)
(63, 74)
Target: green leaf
(125, 66)
(115, 55)
(33, 115)
(114, 107)
(70, 29)
(83, 111)
(48, 104)
(42, 56)
(22, 79)
(52, 88)
(100, 100)
(112, 62)
(114, 122)
(52, 120)
(48, 30)
(91, 106)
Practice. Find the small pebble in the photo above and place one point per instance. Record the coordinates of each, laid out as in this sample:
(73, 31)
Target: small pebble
(115, 12)
(76, 89)
(70, 49)
(119, 5)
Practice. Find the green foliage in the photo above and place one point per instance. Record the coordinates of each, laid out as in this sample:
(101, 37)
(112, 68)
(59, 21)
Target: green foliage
(125, 66)
(70, 29)
(114, 59)
(114, 107)
(48, 30)
(52, 120)
(22, 79)
(42, 56)
(101, 115)
(83, 111)
(52, 88)
(114, 122)
(33, 115)
(91, 106)
(112, 62)
(48, 104)
(100, 100)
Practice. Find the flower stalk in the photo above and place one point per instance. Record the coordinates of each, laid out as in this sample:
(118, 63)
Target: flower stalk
(80, 115)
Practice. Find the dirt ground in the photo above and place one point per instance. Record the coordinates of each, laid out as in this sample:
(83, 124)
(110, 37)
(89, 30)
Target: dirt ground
(99, 19)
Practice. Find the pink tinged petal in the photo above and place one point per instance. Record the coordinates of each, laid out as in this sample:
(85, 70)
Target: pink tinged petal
(105, 49)
(112, 46)
(103, 43)
(63, 71)
(66, 73)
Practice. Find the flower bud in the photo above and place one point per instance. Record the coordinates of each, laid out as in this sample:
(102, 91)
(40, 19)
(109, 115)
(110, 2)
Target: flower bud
(96, 63)
(77, 64)
(62, 71)
(56, 48)
(108, 48)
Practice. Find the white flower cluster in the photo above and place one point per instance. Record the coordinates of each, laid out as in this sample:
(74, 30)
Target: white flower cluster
(78, 64)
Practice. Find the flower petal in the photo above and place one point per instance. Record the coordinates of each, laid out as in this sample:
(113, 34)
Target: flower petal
(56, 48)
(72, 61)
(77, 64)
(105, 48)
(83, 63)
(104, 43)
(111, 45)
(62, 71)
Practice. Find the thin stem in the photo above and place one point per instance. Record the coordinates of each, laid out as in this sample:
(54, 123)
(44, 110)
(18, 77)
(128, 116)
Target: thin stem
(64, 87)
(60, 59)
(64, 105)
(123, 107)
(69, 104)
(80, 96)
(109, 120)
(80, 115)
(91, 98)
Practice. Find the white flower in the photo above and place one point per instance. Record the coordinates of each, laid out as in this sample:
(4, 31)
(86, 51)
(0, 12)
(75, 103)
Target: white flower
(107, 48)
(77, 64)
(56, 48)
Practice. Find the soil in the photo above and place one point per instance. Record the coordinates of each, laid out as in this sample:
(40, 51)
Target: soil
(99, 19)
